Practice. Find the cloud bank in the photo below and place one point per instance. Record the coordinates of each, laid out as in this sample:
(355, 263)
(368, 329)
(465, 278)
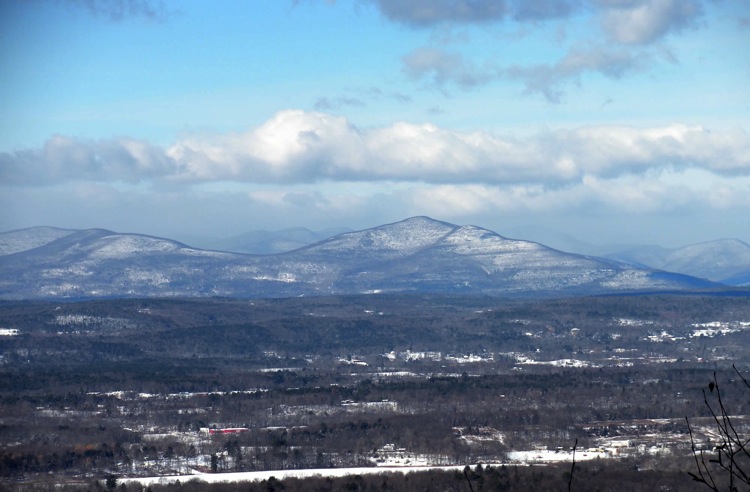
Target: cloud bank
(295, 147)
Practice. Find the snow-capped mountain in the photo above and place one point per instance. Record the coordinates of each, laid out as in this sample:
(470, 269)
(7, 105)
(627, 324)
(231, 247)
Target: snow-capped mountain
(719, 260)
(725, 260)
(415, 255)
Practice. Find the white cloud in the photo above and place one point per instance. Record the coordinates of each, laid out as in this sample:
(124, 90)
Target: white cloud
(64, 158)
(295, 146)
(306, 147)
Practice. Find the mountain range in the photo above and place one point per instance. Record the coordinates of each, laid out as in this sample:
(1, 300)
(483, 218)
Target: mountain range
(725, 260)
(266, 242)
(416, 255)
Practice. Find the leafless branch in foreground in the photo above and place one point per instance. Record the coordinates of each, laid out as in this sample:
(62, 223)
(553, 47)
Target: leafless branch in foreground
(731, 462)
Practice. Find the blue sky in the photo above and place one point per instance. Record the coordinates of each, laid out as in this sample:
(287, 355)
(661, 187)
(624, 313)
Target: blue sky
(614, 121)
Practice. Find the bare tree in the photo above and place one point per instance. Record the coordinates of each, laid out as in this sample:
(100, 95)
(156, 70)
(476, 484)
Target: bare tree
(728, 464)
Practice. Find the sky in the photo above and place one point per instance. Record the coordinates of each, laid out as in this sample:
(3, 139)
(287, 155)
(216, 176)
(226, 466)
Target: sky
(611, 121)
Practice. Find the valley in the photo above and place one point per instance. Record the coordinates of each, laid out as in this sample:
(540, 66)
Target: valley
(135, 388)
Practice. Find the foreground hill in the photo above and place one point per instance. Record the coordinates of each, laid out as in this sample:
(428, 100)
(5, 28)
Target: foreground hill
(415, 255)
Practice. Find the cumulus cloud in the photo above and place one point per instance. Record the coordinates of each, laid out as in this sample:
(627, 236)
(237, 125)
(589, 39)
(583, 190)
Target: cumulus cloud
(293, 146)
(307, 147)
(64, 159)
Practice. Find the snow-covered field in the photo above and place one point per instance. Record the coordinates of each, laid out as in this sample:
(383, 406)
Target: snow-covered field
(282, 474)
(554, 456)
(391, 461)
(714, 328)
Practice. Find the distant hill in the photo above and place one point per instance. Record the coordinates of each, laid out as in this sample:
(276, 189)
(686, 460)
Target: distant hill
(554, 239)
(268, 242)
(25, 239)
(725, 260)
(417, 255)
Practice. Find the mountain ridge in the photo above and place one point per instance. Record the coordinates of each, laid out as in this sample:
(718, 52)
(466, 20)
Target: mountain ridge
(414, 255)
(24, 239)
(724, 260)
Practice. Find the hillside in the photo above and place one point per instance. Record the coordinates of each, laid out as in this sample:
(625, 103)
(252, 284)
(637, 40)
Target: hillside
(415, 255)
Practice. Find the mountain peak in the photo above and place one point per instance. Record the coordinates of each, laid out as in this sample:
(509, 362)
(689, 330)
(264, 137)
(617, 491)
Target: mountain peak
(419, 219)
(389, 240)
(417, 225)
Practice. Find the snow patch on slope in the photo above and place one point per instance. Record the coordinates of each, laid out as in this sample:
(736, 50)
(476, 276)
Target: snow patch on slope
(632, 279)
(472, 240)
(400, 239)
(125, 246)
(26, 239)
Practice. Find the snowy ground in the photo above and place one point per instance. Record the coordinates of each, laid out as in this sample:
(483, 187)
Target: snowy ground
(551, 456)
(396, 461)
(282, 474)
